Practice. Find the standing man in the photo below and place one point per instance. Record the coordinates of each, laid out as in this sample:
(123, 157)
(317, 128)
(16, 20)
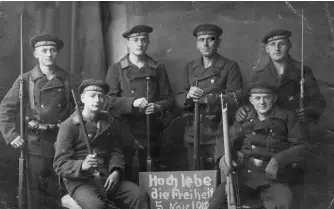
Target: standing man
(129, 80)
(285, 73)
(75, 165)
(214, 74)
(48, 103)
(266, 147)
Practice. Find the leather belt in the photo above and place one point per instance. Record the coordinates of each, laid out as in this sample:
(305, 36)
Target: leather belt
(251, 161)
(41, 128)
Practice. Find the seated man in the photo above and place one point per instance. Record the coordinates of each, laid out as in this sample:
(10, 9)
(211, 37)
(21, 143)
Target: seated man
(266, 148)
(73, 163)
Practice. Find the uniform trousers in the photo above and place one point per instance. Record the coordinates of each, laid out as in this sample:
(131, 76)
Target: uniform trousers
(275, 196)
(206, 153)
(41, 180)
(127, 196)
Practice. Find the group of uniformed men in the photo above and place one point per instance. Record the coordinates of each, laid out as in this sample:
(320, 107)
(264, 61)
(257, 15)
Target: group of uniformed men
(267, 139)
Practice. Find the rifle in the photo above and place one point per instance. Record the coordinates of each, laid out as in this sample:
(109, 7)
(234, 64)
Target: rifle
(233, 201)
(148, 127)
(196, 158)
(96, 173)
(301, 102)
(22, 122)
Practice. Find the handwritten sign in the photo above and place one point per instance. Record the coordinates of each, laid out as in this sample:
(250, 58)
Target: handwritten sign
(179, 189)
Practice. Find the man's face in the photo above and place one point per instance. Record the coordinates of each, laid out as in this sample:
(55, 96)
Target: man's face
(208, 45)
(262, 102)
(93, 100)
(46, 55)
(138, 45)
(278, 50)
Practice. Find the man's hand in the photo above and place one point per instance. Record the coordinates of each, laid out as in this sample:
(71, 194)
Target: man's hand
(194, 93)
(18, 142)
(223, 165)
(112, 181)
(272, 169)
(303, 113)
(152, 108)
(242, 114)
(141, 102)
(90, 162)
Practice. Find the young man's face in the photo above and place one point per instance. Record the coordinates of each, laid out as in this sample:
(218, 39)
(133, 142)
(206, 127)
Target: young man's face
(263, 102)
(208, 45)
(93, 100)
(138, 45)
(46, 55)
(278, 50)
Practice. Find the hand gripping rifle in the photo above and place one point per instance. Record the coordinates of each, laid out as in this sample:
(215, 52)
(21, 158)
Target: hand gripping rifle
(196, 157)
(22, 123)
(148, 127)
(233, 201)
(96, 173)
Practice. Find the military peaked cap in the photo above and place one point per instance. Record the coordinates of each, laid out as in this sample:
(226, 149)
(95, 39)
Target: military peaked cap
(46, 39)
(276, 34)
(138, 30)
(93, 85)
(262, 87)
(207, 29)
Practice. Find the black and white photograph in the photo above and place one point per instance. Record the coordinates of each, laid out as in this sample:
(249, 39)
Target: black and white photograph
(166, 105)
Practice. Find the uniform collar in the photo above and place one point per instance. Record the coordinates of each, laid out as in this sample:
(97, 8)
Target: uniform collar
(103, 115)
(277, 113)
(125, 62)
(219, 61)
(291, 72)
(36, 73)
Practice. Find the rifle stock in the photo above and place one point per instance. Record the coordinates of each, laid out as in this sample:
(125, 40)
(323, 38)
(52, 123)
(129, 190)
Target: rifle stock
(230, 189)
(148, 127)
(21, 159)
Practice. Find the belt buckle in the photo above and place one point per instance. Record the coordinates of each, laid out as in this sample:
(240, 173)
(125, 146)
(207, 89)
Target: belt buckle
(258, 162)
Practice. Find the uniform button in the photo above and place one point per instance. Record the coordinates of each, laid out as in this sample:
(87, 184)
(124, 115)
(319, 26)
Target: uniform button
(253, 147)
(251, 120)
(253, 133)
(291, 98)
(271, 150)
(42, 106)
(59, 105)
(212, 80)
(132, 91)
(249, 171)
(42, 121)
(60, 90)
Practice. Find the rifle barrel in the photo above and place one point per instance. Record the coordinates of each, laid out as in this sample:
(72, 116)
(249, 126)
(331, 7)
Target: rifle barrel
(22, 120)
(301, 103)
(89, 147)
(148, 127)
(196, 163)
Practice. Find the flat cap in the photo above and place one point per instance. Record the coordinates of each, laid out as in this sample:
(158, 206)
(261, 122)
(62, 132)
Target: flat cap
(207, 29)
(138, 30)
(262, 87)
(46, 39)
(93, 85)
(276, 34)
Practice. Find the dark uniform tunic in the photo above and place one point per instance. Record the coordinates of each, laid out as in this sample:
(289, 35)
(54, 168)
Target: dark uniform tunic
(253, 140)
(48, 102)
(222, 77)
(289, 87)
(127, 82)
(106, 142)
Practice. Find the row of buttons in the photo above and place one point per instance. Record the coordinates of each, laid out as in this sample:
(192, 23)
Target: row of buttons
(59, 105)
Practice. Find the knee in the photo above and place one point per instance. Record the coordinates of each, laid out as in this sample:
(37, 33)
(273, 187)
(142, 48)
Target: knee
(217, 200)
(91, 202)
(278, 196)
